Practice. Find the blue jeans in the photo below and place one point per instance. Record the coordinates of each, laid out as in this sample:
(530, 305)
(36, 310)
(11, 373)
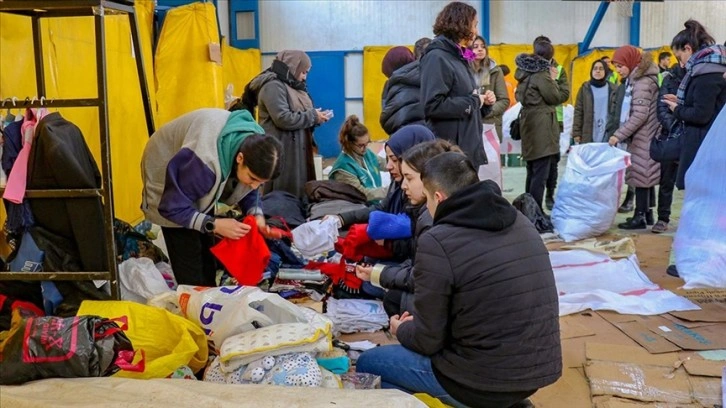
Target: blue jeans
(405, 370)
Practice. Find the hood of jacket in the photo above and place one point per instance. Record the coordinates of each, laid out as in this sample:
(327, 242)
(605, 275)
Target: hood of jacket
(528, 64)
(646, 67)
(409, 74)
(446, 45)
(479, 206)
(257, 82)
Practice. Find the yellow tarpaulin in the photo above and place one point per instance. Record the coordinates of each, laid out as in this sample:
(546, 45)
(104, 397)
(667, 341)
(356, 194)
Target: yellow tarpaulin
(70, 72)
(374, 80)
(187, 77)
(239, 67)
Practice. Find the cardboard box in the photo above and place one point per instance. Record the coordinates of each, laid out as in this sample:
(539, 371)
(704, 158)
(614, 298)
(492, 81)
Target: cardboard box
(641, 382)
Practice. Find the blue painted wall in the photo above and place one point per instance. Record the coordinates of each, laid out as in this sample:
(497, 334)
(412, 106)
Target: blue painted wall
(326, 85)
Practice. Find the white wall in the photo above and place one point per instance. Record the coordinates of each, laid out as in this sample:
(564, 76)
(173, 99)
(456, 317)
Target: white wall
(660, 22)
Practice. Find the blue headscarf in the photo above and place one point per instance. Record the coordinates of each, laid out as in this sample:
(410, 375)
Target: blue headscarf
(400, 141)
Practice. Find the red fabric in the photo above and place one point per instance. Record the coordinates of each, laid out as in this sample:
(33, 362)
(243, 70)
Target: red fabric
(338, 273)
(245, 258)
(627, 55)
(277, 233)
(357, 244)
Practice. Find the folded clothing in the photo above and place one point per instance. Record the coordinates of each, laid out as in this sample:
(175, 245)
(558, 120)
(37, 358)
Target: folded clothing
(356, 315)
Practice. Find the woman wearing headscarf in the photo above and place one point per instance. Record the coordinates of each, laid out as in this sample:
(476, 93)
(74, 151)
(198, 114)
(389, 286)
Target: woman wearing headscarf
(638, 125)
(402, 92)
(286, 112)
(591, 107)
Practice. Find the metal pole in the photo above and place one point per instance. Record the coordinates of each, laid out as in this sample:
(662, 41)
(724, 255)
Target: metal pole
(105, 152)
(38, 54)
(594, 25)
(485, 19)
(635, 25)
(141, 70)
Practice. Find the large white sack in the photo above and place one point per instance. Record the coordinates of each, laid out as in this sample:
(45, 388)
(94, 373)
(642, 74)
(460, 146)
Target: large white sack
(568, 115)
(493, 169)
(700, 242)
(588, 194)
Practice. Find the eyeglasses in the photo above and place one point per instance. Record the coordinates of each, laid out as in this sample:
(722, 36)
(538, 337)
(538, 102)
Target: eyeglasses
(362, 145)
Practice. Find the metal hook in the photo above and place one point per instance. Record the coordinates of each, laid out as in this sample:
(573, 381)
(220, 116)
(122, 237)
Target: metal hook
(14, 99)
(35, 98)
(42, 100)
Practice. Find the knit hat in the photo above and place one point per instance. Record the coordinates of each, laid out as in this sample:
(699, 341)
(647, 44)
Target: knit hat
(628, 56)
(395, 58)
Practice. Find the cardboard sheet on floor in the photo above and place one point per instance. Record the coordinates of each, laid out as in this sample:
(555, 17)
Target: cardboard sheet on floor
(588, 280)
(573, 349)
(705, 368)
(710, 312)
(686, 323)
(706, 390)
(572, 388)
(628, 354)
(705, 295)
(641, 382)
(571, 328)
(615, 402)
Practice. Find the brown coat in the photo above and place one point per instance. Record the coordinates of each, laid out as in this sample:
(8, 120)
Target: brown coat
(642, 125)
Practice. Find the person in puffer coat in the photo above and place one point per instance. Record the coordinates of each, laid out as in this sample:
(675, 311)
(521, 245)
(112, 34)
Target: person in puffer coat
(485, 327)
(638, 125)
(402, 98)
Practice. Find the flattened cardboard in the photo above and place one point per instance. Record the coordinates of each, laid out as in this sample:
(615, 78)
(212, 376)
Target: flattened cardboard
(705, 368)
(570, 328)
(573, 350)
(698, 338)
(710, 312)
(644, 336)
(628, 354)
(686, 323)
(615, 402)
(571, 387)
(703, 296)
(639, 382)
(706, 390)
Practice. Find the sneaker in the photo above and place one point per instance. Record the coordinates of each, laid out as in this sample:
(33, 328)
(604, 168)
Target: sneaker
(659, 227)
(549, 203)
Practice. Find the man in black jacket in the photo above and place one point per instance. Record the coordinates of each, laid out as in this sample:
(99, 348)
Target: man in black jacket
(485, 331)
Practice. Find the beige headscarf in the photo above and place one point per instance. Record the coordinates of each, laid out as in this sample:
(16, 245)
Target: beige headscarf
(297, 62)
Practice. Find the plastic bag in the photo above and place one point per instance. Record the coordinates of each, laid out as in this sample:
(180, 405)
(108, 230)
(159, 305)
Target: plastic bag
(229, 310)
(316, 237)
(140, 280)
(169, 341)
(700, 242)
(587, 198)
(526, 204)
(70, 347)
(493, 169)
(568, 115)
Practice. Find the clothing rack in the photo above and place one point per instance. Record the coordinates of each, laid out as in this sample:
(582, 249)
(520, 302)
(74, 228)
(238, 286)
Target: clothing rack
(36, 10)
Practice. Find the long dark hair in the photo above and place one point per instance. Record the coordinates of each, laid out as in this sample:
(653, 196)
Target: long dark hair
(485, 62)
(417, 156)
(350, 132)
(454, 21)
(262, 155)
(694, 35)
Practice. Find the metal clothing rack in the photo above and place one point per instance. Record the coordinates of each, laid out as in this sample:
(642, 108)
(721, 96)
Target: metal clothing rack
(36, 10)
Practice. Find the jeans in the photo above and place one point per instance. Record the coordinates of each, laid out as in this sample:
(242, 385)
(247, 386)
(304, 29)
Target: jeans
(537, 173)
(405, 370)
(668, 172)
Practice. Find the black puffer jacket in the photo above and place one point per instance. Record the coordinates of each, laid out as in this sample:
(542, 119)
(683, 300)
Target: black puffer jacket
(402, 99)
(447, 91)
(705, 96)
(486, 307)
(671, 80)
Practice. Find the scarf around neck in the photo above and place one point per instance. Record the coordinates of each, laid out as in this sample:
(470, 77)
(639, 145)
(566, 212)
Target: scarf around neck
(715, 54)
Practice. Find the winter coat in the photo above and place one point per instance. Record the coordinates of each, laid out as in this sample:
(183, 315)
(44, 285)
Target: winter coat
(400, 276)
(642, 125)
(293, 129)
(539, 95)
(704, 99)
(585, 112)
(402, 98)
(486, 307)
(451, 108)
(671, 79)
(499, 87)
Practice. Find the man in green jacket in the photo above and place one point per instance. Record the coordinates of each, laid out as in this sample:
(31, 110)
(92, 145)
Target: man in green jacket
(564, 86)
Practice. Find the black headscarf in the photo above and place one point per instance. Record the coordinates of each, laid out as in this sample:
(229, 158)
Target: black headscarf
(400, 141)
(599, 83)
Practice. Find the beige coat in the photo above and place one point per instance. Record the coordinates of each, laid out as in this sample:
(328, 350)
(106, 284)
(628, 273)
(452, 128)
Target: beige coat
(642, 125)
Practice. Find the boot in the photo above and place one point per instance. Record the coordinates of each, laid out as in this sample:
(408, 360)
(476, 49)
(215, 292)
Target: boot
(672, 271)
(550, 200)
(627, 205)
(637, 222)
(648, 218)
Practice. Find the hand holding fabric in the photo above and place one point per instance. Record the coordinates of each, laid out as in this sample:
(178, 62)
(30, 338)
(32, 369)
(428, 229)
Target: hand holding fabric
(230, 228)
(613, 141)
(363, 272)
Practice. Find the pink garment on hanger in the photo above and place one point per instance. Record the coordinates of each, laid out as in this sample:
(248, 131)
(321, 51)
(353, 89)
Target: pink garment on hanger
(17, 181)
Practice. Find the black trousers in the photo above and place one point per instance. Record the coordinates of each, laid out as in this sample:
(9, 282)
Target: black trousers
(552, 178)
(191, 260)
(668, 173)
(537, 174)
(642, 200)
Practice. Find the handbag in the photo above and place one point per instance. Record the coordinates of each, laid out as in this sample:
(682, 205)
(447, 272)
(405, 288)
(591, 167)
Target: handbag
(515, 131)
(668, 149)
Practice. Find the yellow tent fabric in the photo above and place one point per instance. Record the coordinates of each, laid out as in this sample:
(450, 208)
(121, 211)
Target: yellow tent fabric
(70, 72)
(186, 77)
(374, 80)
(239, 67)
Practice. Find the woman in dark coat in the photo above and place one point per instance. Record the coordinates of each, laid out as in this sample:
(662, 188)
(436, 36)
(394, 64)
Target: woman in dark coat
(402, 92)
(453, 106)
(591, 108)
(286, 112)
(701, 94)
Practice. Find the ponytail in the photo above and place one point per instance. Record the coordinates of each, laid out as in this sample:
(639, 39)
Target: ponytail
(694, 35)
(351, 130)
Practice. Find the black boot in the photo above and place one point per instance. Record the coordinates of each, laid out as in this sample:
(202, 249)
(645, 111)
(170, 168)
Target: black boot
(550, 200)
(672, 271)
(648, 218)
(637, 222)
(627, 205)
